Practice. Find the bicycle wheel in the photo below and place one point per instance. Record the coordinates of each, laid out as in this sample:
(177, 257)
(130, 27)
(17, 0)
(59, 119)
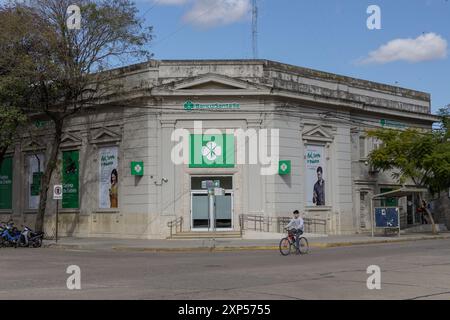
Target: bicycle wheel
(285, 246)
(304, 246)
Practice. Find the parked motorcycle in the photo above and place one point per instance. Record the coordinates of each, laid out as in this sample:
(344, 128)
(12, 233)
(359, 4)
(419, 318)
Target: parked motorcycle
(9, 235)
(30, 238)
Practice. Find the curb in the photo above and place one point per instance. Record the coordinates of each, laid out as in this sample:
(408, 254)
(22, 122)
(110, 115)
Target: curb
(322, 245)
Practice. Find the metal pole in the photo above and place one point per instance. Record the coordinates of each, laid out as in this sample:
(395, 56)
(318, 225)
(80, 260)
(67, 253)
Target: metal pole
(371, 213)
(57, 207)
(211, 209)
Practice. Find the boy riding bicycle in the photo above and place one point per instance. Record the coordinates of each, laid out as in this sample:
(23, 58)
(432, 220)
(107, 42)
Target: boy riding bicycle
(296, 226)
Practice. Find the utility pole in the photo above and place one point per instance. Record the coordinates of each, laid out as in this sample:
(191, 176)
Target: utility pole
(255, 28)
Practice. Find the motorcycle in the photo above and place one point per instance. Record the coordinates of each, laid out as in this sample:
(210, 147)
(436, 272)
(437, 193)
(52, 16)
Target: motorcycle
(30, 238)
(10, 235)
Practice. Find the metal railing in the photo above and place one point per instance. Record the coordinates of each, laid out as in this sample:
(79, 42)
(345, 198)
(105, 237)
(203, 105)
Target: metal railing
(311, 225)
(255, 223)
(177, 224)
(262, 223)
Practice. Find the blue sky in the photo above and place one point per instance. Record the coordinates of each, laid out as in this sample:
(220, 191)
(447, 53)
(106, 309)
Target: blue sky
(328, 35)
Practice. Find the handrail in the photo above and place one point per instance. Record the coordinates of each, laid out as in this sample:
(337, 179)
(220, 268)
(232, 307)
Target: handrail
(178, 222)
(263, 223)
(255, 222)
(310, 224)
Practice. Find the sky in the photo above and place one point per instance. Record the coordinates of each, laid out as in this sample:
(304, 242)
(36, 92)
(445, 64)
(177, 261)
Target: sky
(410, 49)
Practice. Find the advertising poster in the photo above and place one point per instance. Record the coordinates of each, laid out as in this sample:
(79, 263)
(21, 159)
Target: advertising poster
(70, 180)
(35, 171)
(109, 177)
(6, 183)
(315, 175)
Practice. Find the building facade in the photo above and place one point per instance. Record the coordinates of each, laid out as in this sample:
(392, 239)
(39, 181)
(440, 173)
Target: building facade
(276, 137)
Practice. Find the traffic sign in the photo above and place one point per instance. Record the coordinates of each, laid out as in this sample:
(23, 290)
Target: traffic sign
(57, 192)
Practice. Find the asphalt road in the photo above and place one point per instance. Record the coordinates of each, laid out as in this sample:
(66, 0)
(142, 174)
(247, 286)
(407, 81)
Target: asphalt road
(410, 270)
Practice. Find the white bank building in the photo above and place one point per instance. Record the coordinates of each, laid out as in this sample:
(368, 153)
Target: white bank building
(274, 137)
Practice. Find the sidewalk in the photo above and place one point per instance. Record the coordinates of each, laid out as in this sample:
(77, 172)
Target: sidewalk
(225, 244)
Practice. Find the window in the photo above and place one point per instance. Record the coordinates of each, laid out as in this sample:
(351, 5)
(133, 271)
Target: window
(388, 202)
(35, 164)
(362, 147)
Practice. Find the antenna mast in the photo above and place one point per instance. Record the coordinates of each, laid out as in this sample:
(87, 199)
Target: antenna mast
(255, 28)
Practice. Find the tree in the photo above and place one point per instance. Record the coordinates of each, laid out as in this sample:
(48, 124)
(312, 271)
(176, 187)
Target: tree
(69, 63)
(17, 36)
(414, 155)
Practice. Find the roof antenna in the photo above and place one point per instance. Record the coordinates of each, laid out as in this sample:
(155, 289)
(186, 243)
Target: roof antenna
(255, 28)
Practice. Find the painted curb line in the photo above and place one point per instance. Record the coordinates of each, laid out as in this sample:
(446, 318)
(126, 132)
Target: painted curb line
(240, 248)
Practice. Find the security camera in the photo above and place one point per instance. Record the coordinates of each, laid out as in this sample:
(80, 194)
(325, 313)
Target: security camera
(366, 163)
(165, 180)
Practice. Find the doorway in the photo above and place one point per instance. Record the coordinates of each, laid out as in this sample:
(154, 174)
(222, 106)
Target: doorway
(201, 220)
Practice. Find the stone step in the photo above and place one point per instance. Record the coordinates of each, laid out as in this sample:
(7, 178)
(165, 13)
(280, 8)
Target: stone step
(206, 235)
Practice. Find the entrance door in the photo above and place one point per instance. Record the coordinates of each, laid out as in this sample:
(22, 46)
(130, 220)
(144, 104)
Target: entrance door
(201, 220)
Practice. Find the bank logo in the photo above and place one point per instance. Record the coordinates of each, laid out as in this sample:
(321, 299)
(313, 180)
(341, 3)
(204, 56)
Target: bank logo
(137, 168)
(188, 105)
(226, 148)
(284, 167)
(211, 151)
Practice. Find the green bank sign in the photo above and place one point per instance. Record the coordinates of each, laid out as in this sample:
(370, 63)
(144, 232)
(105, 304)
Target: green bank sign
(189, 105)
(391, 124)
(211, 151)
(6, 183)
(70, 179)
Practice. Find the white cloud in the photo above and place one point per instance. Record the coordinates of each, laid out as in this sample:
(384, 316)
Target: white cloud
(429, 46)
(209, 13)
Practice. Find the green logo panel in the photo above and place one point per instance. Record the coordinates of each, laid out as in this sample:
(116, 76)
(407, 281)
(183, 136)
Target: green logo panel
(211, 151)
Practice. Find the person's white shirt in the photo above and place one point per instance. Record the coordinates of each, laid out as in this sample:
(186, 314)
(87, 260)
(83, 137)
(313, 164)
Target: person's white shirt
(295, 223)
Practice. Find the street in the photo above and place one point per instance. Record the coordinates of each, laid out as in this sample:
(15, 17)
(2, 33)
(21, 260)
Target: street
(409, 270)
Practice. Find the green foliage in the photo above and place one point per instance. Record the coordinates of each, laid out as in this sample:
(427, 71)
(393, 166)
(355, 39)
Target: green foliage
(10, 119)
(444, 126)
(423, 157)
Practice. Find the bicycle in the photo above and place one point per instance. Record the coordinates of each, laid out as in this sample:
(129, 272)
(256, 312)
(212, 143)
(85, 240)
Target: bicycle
(288, 245)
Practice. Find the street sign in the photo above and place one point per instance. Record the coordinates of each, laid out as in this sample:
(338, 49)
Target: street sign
(219, 191)
(209, 184)
(57, 192)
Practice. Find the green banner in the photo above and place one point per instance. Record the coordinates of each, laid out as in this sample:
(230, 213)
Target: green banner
(6, 183)
(211, 151)
(70, 180)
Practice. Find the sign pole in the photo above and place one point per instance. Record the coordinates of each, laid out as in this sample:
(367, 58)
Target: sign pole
(211, 208)
(57, 195)
(57, 207)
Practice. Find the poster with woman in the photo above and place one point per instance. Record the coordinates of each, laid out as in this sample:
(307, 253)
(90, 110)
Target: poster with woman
(315, 173)
(109, 177)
